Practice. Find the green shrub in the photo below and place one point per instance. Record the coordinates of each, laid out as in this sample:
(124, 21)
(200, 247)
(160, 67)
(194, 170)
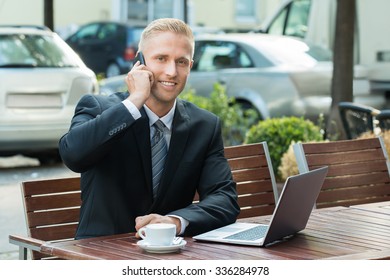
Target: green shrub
(235, 121)
(279, 133)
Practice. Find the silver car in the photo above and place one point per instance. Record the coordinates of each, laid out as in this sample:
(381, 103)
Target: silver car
(41, 80)
(276, 75)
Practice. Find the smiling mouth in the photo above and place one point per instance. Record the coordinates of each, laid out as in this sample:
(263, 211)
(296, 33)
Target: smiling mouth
(165, 83)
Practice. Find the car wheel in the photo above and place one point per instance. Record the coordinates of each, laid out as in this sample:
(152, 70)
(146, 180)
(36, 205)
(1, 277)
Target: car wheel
(249, 111)
(49, 157)
(113, 70)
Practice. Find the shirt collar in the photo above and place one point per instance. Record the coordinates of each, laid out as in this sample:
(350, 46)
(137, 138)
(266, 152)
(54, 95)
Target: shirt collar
(167, 119)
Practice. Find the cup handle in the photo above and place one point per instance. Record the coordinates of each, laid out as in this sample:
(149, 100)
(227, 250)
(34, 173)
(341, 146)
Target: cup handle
(141, 233)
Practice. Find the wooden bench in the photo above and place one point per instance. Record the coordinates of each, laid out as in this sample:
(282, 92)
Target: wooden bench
(358, 170)
(252, 171)
(52, 206)
(52, 209)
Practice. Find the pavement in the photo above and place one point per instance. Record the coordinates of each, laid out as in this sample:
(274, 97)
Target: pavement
(12, 220)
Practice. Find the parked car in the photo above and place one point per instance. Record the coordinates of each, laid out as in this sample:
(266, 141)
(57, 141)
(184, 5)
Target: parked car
(106, 47)
(41, 80)
(275, 75)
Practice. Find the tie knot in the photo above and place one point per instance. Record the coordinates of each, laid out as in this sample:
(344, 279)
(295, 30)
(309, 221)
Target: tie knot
(158, 132)
(159, 125)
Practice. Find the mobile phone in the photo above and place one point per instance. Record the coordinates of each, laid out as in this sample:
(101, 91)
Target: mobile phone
(140, 58)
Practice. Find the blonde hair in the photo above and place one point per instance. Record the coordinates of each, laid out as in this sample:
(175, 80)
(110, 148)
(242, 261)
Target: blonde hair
(167, 25)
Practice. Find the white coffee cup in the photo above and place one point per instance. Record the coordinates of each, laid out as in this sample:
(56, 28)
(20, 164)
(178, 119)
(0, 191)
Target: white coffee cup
(158, 234)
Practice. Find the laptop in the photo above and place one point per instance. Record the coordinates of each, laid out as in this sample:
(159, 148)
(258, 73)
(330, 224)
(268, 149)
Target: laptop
(290, 216)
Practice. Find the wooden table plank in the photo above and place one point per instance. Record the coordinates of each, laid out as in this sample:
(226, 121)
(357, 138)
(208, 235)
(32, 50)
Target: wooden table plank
(379, 207)
(371, 255)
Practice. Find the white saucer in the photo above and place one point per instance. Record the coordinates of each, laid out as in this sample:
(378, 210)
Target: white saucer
(161, 249)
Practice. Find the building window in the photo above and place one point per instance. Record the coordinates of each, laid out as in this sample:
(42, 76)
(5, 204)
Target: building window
(141, 12)
(246, 11)
(163, 9)
(137, 12)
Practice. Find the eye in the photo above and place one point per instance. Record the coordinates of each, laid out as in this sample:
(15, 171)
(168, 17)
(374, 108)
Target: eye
(182, 62)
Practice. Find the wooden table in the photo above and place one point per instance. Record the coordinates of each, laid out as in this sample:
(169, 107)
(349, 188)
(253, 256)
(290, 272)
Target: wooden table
(331, 233)
(379, 207)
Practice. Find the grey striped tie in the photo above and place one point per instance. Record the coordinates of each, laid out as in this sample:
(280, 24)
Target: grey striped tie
(159, 153)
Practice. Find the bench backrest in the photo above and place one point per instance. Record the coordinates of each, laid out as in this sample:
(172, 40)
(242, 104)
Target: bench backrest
(52, 208)
(358, 170)
(252, 171)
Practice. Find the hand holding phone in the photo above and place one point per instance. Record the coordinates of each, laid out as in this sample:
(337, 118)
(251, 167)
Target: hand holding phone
(140, 58)
(137, 83)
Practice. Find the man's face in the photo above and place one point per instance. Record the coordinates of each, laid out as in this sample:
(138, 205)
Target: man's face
(169, 57)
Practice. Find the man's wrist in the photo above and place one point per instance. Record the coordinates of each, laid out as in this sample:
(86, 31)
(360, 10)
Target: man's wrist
(183, 223)
(132, 108)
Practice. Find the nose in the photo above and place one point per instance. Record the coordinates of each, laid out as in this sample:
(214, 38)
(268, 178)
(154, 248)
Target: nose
(171, 68)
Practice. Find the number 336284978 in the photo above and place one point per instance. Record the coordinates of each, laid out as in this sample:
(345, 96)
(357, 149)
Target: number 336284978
(240, 270)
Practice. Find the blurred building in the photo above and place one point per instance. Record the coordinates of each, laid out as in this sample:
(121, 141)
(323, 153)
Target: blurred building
(230, 15)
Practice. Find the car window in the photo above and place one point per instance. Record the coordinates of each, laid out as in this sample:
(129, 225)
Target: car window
(20, 50)
(292, 20)
(87, 32)
(296, 24)
(13, 51)
(277, 25)
(213, 55)
(107, 30)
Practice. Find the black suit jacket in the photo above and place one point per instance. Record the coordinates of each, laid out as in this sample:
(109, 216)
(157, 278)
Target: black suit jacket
(111, 150)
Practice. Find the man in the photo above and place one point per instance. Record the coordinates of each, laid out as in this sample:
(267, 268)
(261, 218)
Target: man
(111, 142)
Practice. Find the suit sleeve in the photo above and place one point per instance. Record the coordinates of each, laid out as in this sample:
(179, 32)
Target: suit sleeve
(93, 130)
(217, 191)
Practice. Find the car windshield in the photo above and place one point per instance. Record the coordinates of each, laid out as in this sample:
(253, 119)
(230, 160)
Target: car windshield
(22, 50)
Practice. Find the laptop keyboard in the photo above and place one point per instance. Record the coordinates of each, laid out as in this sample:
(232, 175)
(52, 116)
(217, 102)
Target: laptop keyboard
(249, 234)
